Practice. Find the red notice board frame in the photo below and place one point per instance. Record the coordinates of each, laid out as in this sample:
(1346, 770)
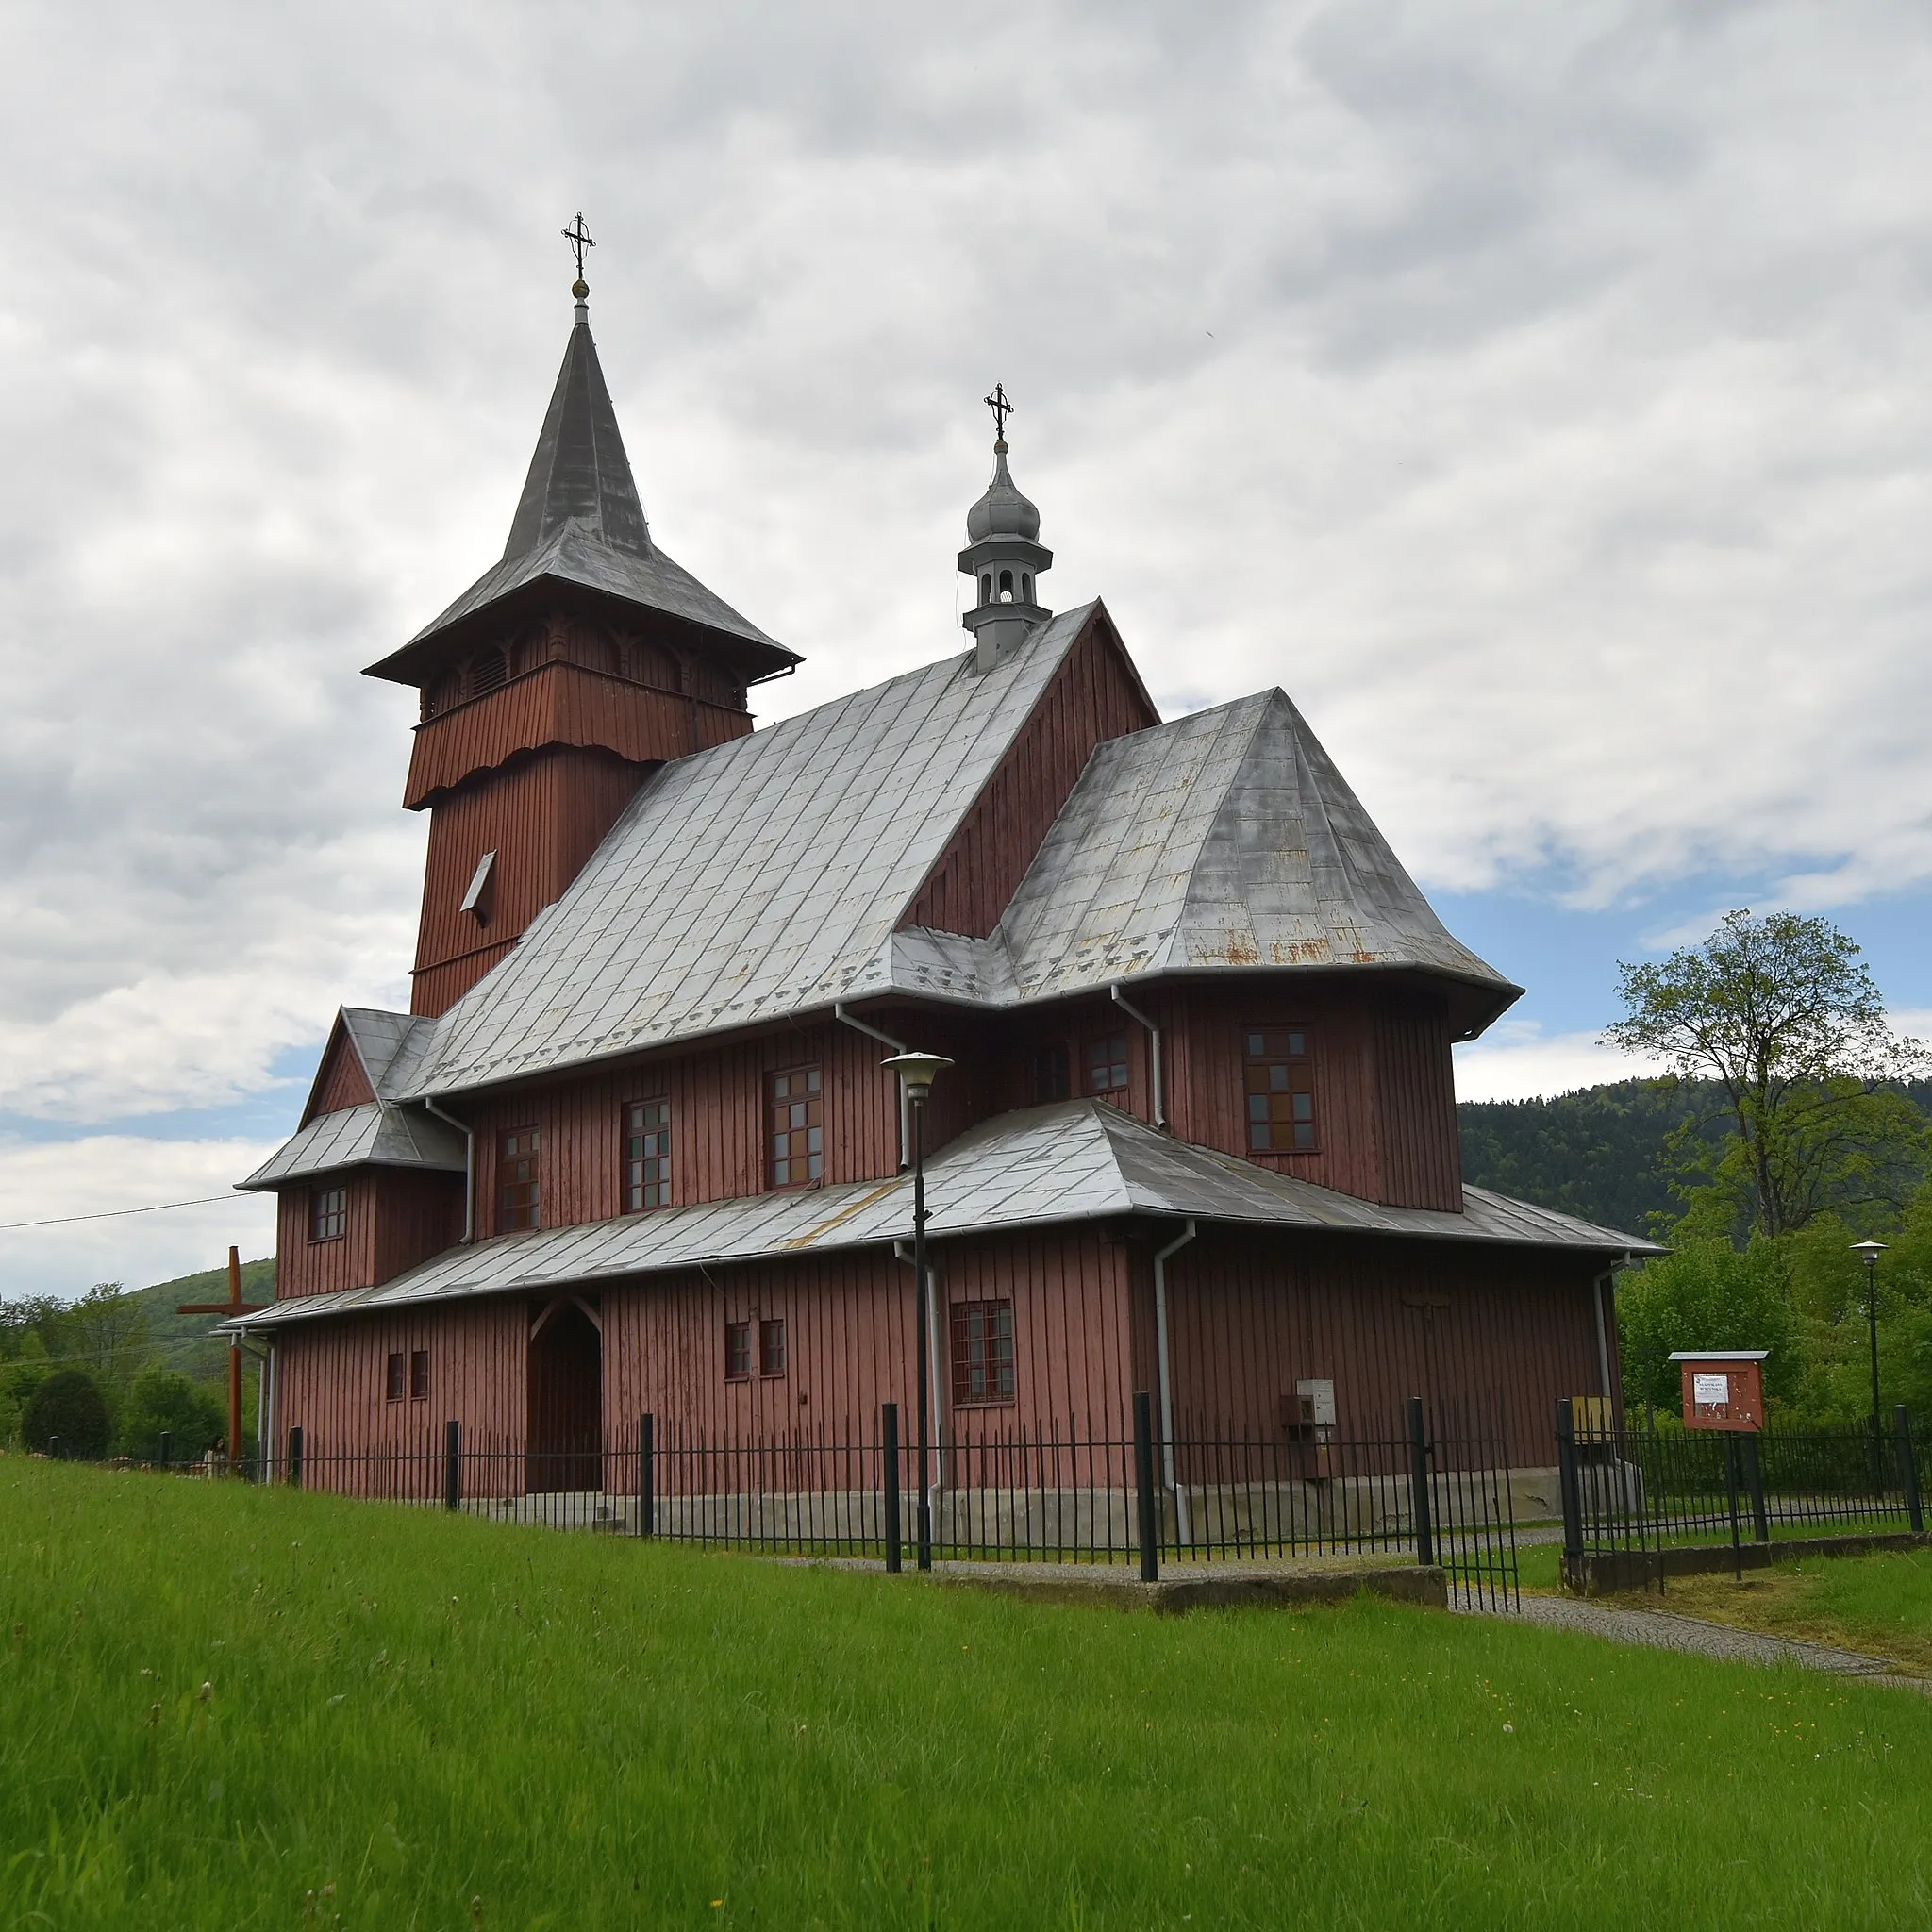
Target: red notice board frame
(1742, 1370)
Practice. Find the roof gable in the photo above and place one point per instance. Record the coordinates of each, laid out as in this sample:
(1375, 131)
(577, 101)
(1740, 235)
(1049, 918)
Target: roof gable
(756, 880)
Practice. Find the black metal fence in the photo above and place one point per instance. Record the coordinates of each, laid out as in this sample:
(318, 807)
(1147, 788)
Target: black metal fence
(1075, 1491)
(1632, 1492)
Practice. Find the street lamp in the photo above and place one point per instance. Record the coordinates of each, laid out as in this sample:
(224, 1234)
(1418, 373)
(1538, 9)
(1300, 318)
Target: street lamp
(917, 1072)
(1869, 1252)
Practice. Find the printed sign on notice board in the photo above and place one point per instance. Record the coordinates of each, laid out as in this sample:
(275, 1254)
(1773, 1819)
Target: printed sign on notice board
(1710, 1392)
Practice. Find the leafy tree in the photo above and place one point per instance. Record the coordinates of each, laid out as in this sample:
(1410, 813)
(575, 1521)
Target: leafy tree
(1708, 1295)
(108, 1330)
(160, 1402)
(1778, 1012)
(68, 1407)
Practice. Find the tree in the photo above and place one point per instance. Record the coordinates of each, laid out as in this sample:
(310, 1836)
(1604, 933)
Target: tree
(66, 1410)
(109, 1331)
(1708, 1294)
(1779, 1012)
(160, 1402)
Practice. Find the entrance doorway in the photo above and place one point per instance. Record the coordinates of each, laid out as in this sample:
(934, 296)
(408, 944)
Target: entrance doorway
(565, 1447)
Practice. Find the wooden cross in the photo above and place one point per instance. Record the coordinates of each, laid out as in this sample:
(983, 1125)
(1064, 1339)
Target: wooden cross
(579, 238)
(231, 1307)
(1001, 408)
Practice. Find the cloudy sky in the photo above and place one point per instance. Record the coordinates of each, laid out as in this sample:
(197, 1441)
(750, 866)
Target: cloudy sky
(1539, 393)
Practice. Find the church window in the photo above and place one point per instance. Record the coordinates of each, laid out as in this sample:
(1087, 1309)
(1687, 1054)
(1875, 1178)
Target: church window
(1050, 1074)
(796, 1113)
(647, 1155)
(488, 670)
(419, 1374)
(1006, 587)
(985, 587)
(1280, 1083)
(328, 1213)
(519, 1179)
(983, 1351)
(1025, 587)
(772, 1348)
(1106, 1066)
(392, 1386)
(737, 1351)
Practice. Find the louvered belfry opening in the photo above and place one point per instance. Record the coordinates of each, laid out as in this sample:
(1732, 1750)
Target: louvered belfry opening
(566, 1400)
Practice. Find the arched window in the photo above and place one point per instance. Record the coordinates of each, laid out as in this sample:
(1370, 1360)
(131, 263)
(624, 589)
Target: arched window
(1006, 587)
(985, 587)
(1025, 587)
(488, 670)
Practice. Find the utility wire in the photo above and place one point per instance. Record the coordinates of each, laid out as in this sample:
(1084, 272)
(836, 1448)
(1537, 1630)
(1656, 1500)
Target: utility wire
(114, 1213)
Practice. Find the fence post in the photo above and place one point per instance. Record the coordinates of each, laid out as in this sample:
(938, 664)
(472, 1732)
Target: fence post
(647, 1473)
(1144, 1488)
(1754, 1478)
(1572, 1491)
(889, 1428)
(1731, 1494)
(1909, 1468)
(452, 1464)
(1418, 1481)
(167, 1446)
(295, 1457)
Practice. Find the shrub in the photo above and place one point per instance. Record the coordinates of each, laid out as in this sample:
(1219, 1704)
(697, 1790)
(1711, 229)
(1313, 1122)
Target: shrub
(68, 1407)
(160, 1402)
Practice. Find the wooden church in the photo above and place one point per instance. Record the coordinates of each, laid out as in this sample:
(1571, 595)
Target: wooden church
(633, 1149)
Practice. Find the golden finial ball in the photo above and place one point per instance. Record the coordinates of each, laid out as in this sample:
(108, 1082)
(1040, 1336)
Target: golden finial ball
(580, 288)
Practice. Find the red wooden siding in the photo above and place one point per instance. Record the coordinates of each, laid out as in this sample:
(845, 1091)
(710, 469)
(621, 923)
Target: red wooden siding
(339, 1081)
(1483, 1334)
(396, 1217)
(542, 817)
(1094, 697)
(1415, 1080)
(563, 705)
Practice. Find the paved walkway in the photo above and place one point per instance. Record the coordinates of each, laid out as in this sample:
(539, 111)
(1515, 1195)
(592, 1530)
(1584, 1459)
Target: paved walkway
(1668, 1630)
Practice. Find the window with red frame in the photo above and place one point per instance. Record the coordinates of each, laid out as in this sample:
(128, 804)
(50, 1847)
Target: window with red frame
(1107, 1067)
(519, 1179)
(795, 1116)
(419, 1374)
(393, 1387)
(329, 1214)
(983, 1351)
(737, 1351)
(647, 1155)
(772, 1348)
(1280, 1081)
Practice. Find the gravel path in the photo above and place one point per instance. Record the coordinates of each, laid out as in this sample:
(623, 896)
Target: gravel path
(1667, 1630)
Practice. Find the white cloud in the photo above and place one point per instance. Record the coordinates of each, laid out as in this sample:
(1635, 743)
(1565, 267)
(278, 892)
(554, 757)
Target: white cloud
(1537, 395)
(41, 1182)
(1518, 1060)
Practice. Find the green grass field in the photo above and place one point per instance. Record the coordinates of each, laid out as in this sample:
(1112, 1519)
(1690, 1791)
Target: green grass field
(227, 1707)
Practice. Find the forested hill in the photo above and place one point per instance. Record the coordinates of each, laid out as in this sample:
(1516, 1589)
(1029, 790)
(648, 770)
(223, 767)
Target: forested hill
(1597, 1152)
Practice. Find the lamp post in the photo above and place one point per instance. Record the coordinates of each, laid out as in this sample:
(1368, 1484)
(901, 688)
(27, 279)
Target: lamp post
(1869, 1253)
(917, 1072)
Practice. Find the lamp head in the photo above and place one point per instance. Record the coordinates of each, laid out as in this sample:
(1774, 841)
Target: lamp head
(1869, 1252)
(917, 1072)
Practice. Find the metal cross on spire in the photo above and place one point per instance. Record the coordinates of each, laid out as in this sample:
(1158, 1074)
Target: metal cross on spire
(580, 239)
(1001, 410)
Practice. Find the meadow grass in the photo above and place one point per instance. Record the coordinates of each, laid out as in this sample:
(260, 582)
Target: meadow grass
(230, 1706)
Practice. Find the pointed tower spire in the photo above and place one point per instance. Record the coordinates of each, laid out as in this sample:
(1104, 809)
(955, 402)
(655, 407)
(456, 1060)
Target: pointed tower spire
(1003, 554)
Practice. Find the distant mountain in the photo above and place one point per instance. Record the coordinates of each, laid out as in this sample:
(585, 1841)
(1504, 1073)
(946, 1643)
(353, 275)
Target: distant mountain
(186, 1342)
(1598, 1152)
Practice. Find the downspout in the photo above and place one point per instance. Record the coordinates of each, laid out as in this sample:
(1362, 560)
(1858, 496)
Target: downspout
(935, 1381)
(1604, 1281)
(469, 1135)
(839, 1012)
(1160, 1258)
(1153, 1051)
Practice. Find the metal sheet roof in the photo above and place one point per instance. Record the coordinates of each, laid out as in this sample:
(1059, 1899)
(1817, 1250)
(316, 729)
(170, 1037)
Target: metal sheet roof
(372, 1135)
(1224, 839)
(1078, 1160)
(753, 881)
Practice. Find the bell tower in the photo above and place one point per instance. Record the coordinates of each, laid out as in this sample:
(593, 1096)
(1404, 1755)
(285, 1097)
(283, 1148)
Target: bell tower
(556, 683)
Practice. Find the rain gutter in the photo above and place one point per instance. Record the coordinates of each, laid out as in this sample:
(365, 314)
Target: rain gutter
(1160, 1260)
(839, 1012)
(469, 1135)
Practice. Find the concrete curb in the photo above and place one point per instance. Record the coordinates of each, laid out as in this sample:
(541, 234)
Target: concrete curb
(1175, 1596)
(1605, 1572)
